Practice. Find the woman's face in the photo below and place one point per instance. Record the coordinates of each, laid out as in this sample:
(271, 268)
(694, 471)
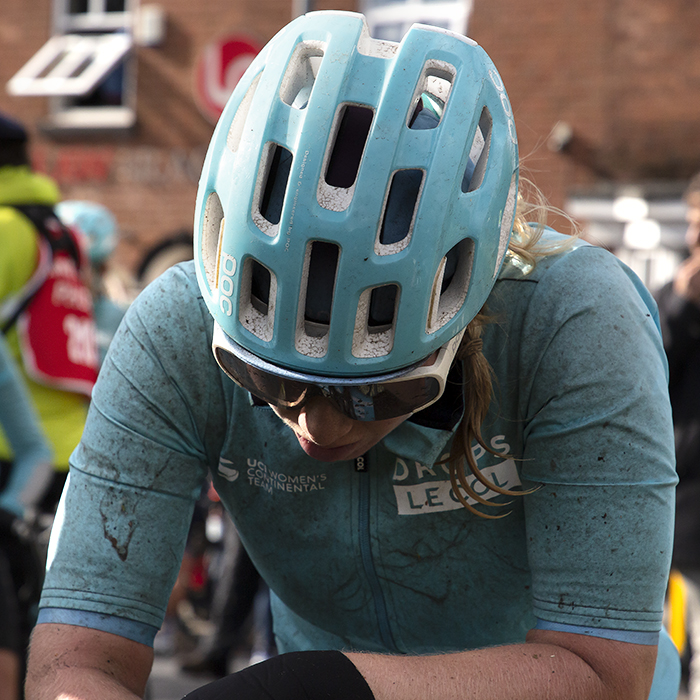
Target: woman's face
(329, 436)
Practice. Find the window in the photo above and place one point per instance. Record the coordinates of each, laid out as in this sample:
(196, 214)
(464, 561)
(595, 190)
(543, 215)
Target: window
(86, 67)
(391, 19)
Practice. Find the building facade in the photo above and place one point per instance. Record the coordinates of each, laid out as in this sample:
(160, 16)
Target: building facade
(121, 105)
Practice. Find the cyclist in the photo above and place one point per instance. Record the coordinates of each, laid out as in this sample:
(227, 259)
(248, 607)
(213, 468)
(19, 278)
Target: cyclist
(426, 529)
(679, 313)
(99, 226)
(21, 488)
(45, 305)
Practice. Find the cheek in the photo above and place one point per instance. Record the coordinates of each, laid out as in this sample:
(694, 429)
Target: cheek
(290, 418)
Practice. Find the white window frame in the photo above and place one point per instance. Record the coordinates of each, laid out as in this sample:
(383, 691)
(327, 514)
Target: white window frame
(95, 19)
(53, 70)
(82, 52)
(401, 14)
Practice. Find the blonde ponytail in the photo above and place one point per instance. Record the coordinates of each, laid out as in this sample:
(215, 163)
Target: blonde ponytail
(477, 388)
(524, 251)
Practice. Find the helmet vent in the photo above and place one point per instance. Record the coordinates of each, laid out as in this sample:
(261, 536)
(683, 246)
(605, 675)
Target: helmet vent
(257, 304)
(271, 187)
(427, 113)
(450, 285)
(382, 307)
(349, 145)
(399, 211)
(212, 225)
(260, 286)
(299, 78)
(233, 138)
(478, 153)
(351, 129)
(316, 302)
(431, 95)
(375, 321)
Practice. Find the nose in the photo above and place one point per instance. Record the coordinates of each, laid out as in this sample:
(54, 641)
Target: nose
(323, 424)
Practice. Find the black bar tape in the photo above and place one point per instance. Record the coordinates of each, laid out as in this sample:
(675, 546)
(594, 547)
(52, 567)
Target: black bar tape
(298, 675)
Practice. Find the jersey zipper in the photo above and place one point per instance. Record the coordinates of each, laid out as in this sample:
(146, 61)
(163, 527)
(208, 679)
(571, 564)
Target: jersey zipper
(362, 467)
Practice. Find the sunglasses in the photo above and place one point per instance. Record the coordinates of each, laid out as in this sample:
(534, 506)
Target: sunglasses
(363, 398)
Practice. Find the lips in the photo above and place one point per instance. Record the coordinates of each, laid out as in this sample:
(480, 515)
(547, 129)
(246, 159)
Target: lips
(329, 454)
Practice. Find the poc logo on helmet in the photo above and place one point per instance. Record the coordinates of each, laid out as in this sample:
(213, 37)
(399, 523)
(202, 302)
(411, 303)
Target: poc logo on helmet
(498, 84)
(226, 273)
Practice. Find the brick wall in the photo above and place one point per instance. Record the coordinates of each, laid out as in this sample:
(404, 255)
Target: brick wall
(654, 91)
(625, 74)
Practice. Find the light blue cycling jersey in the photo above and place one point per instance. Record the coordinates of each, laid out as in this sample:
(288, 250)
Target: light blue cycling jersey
(386, 559)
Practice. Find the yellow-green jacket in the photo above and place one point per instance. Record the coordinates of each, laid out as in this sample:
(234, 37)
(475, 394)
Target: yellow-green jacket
(62, 413)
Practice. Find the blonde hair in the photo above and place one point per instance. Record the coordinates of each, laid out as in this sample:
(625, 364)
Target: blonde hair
(524, 250)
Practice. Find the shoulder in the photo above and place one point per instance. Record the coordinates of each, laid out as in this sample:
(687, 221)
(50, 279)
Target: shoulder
(169, 324)
(15, 228)
(580, 309)
(163, 349)
(173, 294)
(21, 185)
(675, 307)
(170, 310)
(664, 293)
(582, 277)
(19, 250)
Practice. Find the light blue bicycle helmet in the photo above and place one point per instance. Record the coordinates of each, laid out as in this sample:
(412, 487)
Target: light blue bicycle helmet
(357, 197)
(95, 221)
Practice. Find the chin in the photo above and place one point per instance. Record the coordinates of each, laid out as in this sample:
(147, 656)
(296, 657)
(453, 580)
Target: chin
(331, 454)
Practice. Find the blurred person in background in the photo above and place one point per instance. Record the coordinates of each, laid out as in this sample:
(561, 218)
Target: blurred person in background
(45, 304)
(99, 226)
(679, 311)
(240, 613)
(21, 489)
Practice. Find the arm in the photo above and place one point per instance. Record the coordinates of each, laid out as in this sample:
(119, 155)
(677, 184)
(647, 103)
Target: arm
(550, 665)
(120, 530)
(568, 666)
(597, 440)
(31, 470)
(77, 663)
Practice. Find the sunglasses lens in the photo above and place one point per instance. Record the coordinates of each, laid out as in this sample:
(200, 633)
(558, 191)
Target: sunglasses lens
(385, 400)
(268, 387)
(367, 402)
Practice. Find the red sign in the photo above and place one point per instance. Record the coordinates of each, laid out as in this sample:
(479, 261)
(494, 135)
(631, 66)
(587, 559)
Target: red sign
(219, 69)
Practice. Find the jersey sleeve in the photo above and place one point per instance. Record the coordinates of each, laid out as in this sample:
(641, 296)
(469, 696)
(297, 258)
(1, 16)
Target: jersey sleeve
(118, 540)
(598, 447)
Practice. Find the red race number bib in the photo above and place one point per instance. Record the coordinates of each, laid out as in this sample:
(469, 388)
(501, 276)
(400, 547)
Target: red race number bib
(57, 330)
